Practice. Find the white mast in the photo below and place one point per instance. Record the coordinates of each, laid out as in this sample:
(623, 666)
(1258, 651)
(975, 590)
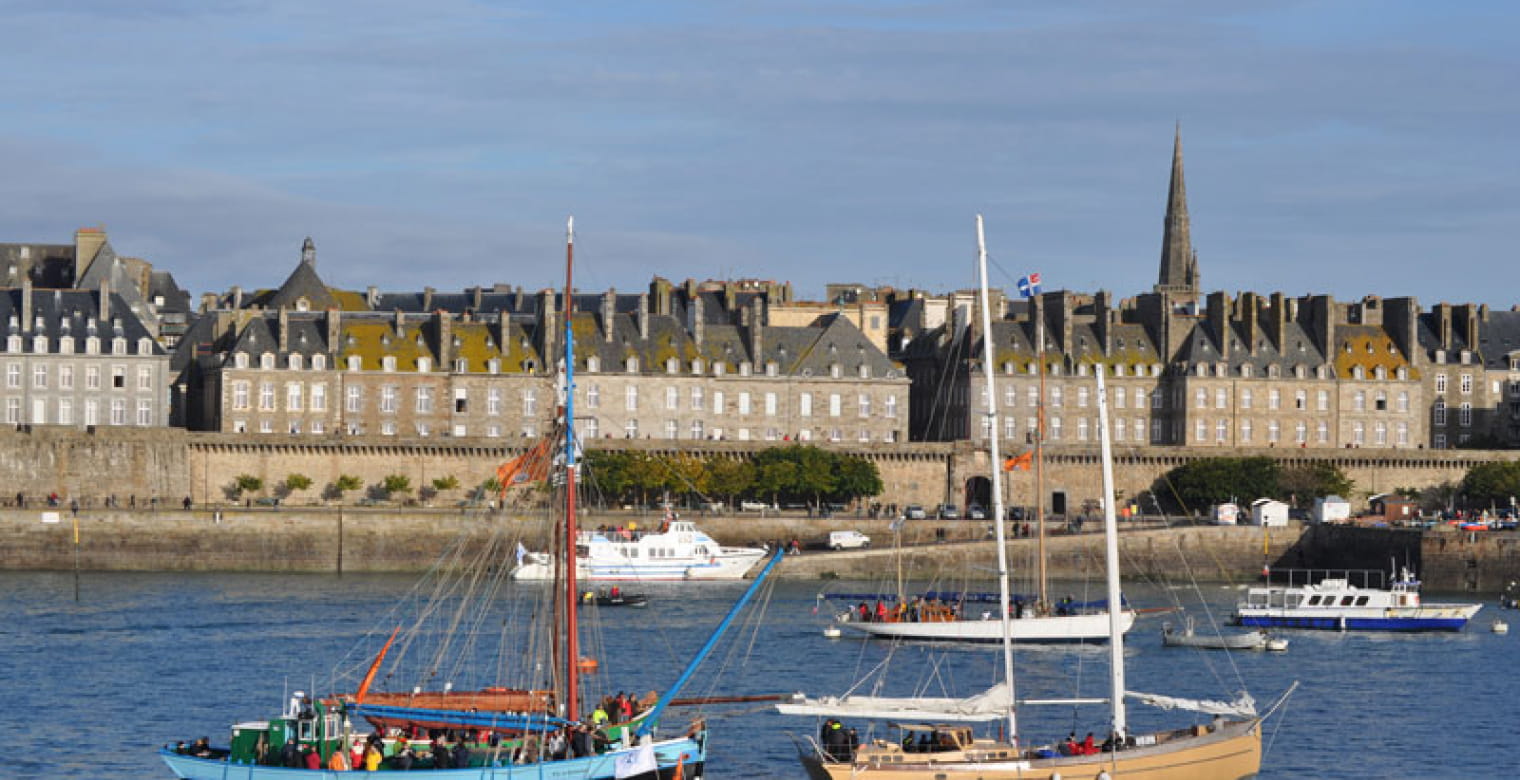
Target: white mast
(1111, 554)
(997, 482)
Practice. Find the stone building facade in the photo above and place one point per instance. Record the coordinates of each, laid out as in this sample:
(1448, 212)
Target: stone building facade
(686, 362)
(79, 359)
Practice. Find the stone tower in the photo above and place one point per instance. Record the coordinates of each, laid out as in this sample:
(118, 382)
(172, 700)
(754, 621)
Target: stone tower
(1179, 263)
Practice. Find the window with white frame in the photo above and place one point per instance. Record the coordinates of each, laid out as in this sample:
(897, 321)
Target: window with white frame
(266, 361)
(1380, 433)
(144, 412)
(92, 377)
(40, 376)
(696, 429)
(13, 375)
(12, 411)
(65, 377)
(1322, 432)
(294, 361)
(294, 394)
(698, 400)
(1438, 412)
(530, 402)
(118, 411)
(318, 399)
(1440, 383)
(670, 429)
(631, 428)
(1055, 429)
(1301, 432)
(835, 405)
(593, 396)
(631, 398)
(1401, 434)
(1274, 431)
(1359, 401)
(805, 405)
(1466, 385)
(1245, 431)
(424, 400)
(672, 398)
(1082, 397)
(1201, 398)
(1081, 429)
(1200, 430)
(770, 404)
(351, 397)
(65, 411)
(890, 406)
(591, 428)
(863, 405)
(493, 401)
(119, 377)
(1010, 428)
(1055, 396)
(266, 396)
(1120, 425)
(1118, 398)
(717, 406)
(1358, 433)
(1274, 398)
(744, 402)
(388, 400)
(1464, 415)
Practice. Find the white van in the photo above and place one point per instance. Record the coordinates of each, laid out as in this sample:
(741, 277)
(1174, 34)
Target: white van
(845, 540)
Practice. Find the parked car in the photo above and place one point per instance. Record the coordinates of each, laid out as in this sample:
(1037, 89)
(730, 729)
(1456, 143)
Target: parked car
(844, 540)
(915, 512)
(753, 506)
(975, 512)
(949, 512)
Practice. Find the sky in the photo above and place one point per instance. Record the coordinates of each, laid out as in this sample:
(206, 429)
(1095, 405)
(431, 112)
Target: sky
(1349, 148)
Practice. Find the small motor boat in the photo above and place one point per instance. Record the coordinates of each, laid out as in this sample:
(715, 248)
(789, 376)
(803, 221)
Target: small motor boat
(1499, 627)
(832, 632)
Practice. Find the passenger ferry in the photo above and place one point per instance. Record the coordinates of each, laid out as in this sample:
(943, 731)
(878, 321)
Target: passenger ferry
(678, 551)
(1334, 603)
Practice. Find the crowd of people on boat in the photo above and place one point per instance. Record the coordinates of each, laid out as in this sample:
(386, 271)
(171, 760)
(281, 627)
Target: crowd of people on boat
(921, 610)
(837, 742)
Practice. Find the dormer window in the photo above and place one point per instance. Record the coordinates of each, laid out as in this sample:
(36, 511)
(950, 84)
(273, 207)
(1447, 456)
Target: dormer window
(593, 364)
(631, 365)
(424, 365)
(493, 366)
(744, 369)
(295, 361)
(319, 362)
(388, 363)
(354, 363)
(118, 346)
(672, 365)
(66, 345)
(865, 370)
(696, 367)
(145, 346)
(266, 361)
(461, 366)
(1245, 370)
(40, 344)
(835, 371)
(771, 369)
(240, 360)
(718, 368)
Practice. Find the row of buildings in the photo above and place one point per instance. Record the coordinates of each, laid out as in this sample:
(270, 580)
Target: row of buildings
(97, 339)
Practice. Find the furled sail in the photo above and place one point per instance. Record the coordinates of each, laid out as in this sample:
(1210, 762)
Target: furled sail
(990, 704)
(1243, 707)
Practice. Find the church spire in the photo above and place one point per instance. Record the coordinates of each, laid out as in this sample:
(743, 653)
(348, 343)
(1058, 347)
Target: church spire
(1179, 263)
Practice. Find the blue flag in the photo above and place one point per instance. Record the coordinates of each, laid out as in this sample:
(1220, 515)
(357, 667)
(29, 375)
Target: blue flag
(1029, 286)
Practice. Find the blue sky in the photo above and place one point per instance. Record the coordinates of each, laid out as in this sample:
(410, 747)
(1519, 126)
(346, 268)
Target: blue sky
(1349, 148)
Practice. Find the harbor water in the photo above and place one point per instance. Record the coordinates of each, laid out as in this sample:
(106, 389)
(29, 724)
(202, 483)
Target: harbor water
(93, 687)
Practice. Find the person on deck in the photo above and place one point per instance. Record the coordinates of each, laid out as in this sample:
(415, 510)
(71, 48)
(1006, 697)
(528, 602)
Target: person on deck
(461, 755)
(1087, 745)
(290, 755)
(201, 748)
(312, 759)
(442, 759)
(405, 755)
(372, 757)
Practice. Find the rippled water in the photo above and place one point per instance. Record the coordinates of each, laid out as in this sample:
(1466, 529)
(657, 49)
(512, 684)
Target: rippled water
(93, 688)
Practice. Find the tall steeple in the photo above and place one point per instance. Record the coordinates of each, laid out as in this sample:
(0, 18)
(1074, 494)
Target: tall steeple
(1179, 263)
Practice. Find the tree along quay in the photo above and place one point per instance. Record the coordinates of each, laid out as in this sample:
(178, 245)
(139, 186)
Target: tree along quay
(347, 539)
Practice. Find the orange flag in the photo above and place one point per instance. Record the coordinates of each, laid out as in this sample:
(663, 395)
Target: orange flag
(1020, 462)
(531, 466)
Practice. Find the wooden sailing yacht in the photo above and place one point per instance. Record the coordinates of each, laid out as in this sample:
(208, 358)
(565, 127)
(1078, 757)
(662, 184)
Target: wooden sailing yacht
(1230, 748)
(496, 733)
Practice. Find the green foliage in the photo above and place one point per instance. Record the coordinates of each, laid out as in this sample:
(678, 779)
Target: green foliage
(1300, 485)
(396, 483)
(347, 482)
(445, 483)
(296, 482)
(792, 472)
(246, 483)
(1492, 484)
(1202, 483)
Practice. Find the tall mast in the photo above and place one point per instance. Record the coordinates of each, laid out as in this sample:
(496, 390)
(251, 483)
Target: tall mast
(1111, 555)
(572, 630)
(1043, 602)
(994, 454)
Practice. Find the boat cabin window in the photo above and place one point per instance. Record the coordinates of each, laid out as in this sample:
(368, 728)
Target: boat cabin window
(1361, 601)
(1313, 600)
(1346, 600)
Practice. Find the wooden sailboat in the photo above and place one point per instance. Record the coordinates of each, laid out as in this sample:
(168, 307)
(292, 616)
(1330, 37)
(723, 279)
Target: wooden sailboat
(496, 733)
(1230, 748)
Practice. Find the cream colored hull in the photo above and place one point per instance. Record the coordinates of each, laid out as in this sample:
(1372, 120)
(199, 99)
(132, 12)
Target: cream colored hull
(1231, 753)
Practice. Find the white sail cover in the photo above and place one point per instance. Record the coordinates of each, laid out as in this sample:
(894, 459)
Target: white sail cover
(1243, 707)
(990, 704)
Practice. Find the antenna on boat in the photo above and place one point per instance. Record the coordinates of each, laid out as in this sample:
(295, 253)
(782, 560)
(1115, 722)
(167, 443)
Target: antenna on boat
(997, 481)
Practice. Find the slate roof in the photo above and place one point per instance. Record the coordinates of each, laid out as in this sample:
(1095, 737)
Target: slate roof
(73, 313)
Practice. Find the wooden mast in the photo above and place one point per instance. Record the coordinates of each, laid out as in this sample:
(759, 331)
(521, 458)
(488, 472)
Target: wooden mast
(572, 631)
(1043, 604)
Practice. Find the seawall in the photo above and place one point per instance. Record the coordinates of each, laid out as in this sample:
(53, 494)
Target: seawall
(380, 540)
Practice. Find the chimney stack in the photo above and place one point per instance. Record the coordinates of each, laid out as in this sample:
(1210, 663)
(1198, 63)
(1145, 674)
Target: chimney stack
(105, 301)
(26, 303)
(609, 314)
(283, 338)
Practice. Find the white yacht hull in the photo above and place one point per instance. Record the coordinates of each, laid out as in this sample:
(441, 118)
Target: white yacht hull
(1053, 628)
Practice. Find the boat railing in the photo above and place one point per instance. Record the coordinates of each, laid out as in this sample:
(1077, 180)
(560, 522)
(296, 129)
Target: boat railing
(1361, 578)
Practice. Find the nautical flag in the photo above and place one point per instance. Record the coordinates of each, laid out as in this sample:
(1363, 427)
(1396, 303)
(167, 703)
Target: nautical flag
(1029, 286)
(1020, 462)
(635, 762)
(522, 552)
